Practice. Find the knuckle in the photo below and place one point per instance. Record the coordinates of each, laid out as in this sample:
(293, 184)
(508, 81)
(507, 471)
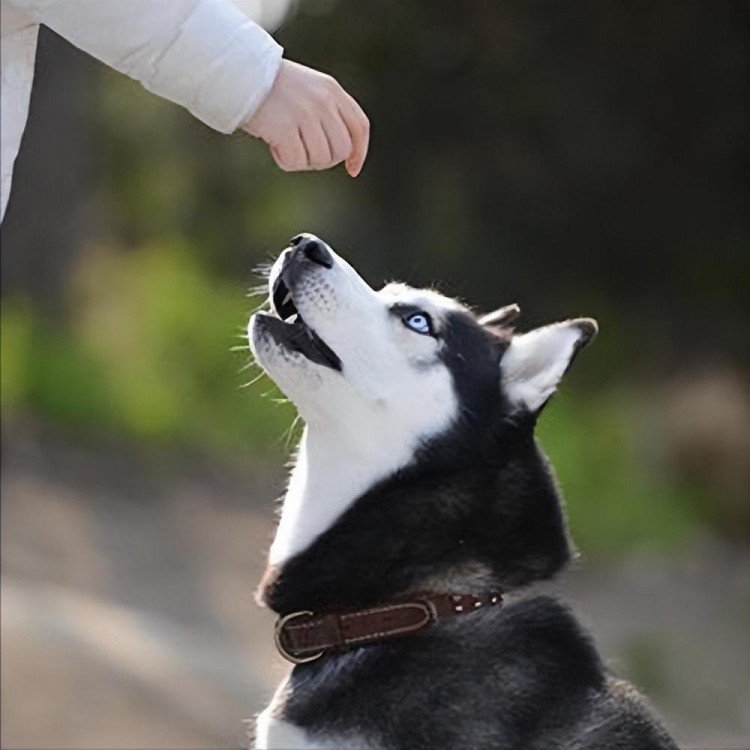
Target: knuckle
(288, 163)
(330, 82)
(307, 109)
(286, 133)
(320, 102)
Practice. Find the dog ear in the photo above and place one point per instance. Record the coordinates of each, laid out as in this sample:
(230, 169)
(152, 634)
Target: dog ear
(502, 317)
(534, 362)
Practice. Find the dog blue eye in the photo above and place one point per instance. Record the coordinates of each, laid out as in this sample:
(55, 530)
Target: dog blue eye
(419, 322)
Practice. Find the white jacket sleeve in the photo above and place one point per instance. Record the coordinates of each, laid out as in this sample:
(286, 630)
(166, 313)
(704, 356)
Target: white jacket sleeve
(203, 54)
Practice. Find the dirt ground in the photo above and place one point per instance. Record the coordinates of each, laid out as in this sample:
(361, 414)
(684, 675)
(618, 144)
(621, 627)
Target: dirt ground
(128, 619)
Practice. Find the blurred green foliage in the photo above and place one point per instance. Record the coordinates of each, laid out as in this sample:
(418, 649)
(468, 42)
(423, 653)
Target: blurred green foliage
(615, 502)
(147, 354)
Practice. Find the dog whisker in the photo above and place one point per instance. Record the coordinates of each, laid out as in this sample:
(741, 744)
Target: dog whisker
(263, 270)
(252, 382)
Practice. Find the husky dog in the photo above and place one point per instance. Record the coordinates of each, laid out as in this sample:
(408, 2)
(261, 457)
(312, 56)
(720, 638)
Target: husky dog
(418, 476)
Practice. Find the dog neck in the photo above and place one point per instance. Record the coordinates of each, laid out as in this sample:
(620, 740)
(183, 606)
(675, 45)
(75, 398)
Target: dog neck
(332, 470)
(432, 525)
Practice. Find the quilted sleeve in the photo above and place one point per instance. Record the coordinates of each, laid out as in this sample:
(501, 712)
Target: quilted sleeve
(206, 55)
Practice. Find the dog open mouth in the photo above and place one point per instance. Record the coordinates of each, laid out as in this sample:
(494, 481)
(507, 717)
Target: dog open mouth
(295, 333)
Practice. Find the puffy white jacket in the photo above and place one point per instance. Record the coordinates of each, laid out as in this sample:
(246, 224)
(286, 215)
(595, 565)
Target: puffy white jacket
(206, 55)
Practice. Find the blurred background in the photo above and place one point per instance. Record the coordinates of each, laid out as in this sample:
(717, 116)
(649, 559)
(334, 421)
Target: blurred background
(576, 158)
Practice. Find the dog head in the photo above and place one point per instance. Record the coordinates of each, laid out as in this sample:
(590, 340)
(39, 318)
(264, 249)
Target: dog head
(410, 361)
(380, 376)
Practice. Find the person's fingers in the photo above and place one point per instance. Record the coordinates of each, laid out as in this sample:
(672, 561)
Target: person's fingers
(310, 122)
(359, 131)
(316, 144)
(289, 152)
(339, 140)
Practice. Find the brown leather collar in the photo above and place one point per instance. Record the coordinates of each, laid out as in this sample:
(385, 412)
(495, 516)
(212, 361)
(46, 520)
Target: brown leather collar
(305, 636)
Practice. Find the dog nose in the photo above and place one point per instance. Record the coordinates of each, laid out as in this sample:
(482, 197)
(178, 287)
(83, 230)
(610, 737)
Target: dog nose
(313, 249)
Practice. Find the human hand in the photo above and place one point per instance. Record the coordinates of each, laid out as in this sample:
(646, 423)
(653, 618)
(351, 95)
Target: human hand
(310, 122)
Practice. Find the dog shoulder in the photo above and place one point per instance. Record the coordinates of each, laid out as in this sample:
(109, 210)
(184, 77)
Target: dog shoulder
(611, 712)
(621, 717)
(546, 630)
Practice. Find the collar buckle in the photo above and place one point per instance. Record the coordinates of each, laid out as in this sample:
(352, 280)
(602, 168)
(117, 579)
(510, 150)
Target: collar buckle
(278, 633)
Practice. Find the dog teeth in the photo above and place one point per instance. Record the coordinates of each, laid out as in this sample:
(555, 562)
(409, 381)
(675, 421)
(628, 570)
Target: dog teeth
(288, 298)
